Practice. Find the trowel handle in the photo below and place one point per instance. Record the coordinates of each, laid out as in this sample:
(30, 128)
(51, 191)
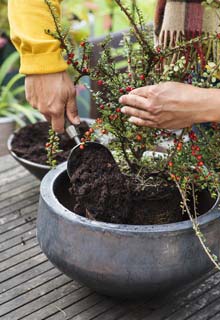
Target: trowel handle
(72, 131)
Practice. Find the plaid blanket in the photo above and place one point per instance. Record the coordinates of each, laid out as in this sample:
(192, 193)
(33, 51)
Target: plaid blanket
(178, 19)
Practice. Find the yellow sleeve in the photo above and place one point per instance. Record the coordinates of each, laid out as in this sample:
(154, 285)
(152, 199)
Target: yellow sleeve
(39, 52)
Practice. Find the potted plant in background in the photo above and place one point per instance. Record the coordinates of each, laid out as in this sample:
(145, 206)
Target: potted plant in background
(141, 224)
(13, 109)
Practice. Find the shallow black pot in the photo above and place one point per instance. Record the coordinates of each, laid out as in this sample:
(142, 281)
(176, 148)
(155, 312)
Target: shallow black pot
(38, 170)
(121, 260)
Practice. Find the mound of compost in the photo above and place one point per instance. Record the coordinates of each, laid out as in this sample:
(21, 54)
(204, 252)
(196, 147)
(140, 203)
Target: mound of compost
(101, 192)
(29, 142)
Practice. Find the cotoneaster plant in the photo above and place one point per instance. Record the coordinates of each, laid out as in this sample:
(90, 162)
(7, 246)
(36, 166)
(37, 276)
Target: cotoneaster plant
(192, 162)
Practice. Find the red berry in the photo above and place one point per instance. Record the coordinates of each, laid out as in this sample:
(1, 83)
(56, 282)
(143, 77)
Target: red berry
(199, 157)
(142, 77)
(71, 55)
(118, 110)
(100, 82)
(200, 163)
(218, 35)
(76, 63)
(138, 137)
(85, 70)
(121, 90)
(102, 107)
(91, 130)
(170, 164)
(82, 44)
(158, 49)
(83, 139)
(47, 145)
(82, 146)
(87, 133)
(104, 131)
(69, 61)
(128, 89)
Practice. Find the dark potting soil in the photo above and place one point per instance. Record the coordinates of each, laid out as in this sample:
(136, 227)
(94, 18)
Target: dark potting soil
(101, 192)
(29, 142)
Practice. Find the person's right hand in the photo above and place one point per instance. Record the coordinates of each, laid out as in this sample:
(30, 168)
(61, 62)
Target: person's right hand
(53, 95)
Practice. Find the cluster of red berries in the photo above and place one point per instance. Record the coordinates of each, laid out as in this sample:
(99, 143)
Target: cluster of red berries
(70, 58)
(87, 137)
(127, 89)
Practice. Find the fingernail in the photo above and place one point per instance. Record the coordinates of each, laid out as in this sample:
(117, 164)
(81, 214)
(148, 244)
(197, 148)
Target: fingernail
(123, 110)
(76, 120)
(131, 119)
(121, 99)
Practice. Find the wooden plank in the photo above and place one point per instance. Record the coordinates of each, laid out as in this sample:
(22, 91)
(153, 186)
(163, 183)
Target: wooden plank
(195, 305)
(97, 309)
(31, 209)
(24, 266)
(58, 306)
(112, 314)
(45, 275)
(19, 205)
(207, 312)
(28, 218)
(17, 250)
(215, 317)
(14, 184)
(7, 162)
(79, 306)
(16, 232)
(33, 295)
(12, 175)
(35, 270)
(137, 312)
(19, 189)
(26, 310)
(16, 260)
(179, 300)
(17, 241)
(19, 197)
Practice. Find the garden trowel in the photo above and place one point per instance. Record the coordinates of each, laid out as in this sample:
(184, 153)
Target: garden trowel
(76, 153)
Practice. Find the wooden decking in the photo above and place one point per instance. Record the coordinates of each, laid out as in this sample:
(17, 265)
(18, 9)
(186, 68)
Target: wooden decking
(32, 289)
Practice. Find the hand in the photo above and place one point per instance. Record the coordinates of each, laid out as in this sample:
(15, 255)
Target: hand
(53, 95)
(171, 105)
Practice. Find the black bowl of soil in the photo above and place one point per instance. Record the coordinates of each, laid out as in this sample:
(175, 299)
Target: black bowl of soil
(27, 146)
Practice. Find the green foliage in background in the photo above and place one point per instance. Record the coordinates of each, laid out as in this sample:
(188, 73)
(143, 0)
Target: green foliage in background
(12, 94)
(4, 26)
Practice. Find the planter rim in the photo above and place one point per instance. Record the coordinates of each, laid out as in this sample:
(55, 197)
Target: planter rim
(28, 162)
(6, 119)
(47, 194)
(34, 164)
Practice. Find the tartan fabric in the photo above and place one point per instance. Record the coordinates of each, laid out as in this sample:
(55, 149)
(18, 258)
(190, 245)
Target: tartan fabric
(178, 19)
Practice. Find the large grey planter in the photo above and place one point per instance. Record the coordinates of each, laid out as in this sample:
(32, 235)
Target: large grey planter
(121, 260)
(7, 126)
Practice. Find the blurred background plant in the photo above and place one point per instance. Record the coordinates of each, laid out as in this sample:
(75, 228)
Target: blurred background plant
(12, 99)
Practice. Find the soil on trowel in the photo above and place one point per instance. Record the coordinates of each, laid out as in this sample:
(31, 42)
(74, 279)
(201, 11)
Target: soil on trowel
(29, 142)
(101, 192)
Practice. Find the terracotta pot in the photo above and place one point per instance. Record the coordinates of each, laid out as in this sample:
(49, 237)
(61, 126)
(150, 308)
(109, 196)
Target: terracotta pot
(7, 126)
(122, 260)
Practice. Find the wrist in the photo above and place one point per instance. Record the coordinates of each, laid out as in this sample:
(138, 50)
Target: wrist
(208, 106)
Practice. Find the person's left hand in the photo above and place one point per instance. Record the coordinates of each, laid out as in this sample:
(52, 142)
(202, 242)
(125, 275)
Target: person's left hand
(169, 105)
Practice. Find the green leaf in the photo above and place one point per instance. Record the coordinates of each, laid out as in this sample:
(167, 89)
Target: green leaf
(7, 64)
